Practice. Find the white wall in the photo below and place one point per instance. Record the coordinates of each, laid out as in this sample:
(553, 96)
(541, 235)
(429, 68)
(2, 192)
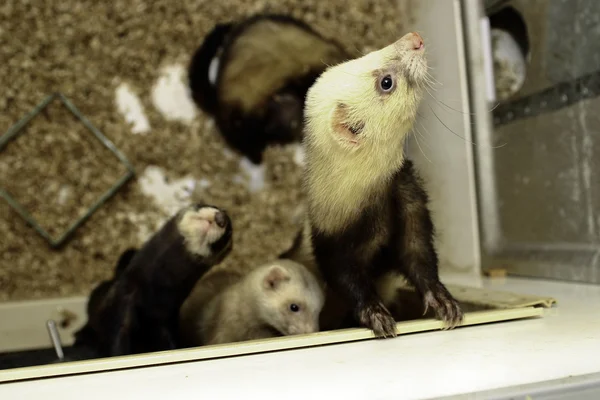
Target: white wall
(445, 160)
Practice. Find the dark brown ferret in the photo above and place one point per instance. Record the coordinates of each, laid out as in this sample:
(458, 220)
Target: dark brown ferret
(139, 311)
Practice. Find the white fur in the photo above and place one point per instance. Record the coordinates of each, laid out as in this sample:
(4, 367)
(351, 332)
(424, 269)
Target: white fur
(342, 170)
(199, 230)
(246, 309)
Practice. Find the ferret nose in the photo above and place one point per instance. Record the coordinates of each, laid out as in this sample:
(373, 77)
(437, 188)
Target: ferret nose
(417, 41)
(220, 219)
(410, 41)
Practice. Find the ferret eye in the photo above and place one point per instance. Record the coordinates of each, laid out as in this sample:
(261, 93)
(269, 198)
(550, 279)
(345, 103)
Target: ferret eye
(387, 83)
(294, 307)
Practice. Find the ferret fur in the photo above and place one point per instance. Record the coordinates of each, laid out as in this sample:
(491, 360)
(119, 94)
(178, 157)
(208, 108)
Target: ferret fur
(230, 307)
(86, 336)
(367, 210)
(264, 65)
(139, 311)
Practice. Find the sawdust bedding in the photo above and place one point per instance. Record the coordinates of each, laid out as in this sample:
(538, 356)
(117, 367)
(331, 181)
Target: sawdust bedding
(56, 168)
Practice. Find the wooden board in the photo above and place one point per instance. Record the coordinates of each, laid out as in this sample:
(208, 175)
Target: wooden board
(256, 346)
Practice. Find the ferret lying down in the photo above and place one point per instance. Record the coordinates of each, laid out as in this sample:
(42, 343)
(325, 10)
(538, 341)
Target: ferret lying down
(367, 213)
(252, 75)
(139, 310)
(276, 299)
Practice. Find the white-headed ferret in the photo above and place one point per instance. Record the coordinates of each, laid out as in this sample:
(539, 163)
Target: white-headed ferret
(367, 211)
(279, 298)
(139, 311)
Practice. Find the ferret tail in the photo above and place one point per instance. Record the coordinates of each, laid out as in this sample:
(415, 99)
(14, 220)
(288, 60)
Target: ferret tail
(202, 89)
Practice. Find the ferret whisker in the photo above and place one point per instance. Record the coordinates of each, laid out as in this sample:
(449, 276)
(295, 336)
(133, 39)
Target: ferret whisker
(445, 105)
(454, 109)
(426, 131)
(446, 126)
(419, 145)
(431, 77)
(426, 143)
(456, 134)
(429, 84)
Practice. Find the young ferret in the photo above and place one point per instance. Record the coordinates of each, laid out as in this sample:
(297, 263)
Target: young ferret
(139, 312)
(279, 298)
(367, 213)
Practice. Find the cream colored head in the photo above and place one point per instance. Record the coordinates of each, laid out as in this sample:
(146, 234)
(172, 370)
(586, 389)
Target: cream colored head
(206, 230)
(369, 103)
(290, 298)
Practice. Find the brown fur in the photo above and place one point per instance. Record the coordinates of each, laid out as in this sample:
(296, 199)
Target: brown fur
(271, 52)
(137, 311)
(266, 63)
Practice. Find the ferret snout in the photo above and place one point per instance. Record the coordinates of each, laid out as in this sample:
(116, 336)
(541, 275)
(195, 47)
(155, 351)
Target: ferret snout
(417, 41)
(303, 328)
(201, 226)
(411, 41)
(211, 214)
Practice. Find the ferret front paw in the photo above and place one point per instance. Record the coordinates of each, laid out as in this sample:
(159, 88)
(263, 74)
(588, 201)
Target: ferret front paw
(378, 319)
(445, 306)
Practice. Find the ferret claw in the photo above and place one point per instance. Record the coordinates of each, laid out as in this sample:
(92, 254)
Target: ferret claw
(445, 306)
(379, 320)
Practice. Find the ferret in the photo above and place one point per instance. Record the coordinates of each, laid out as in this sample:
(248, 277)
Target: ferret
(279, 298)
(139, 312)
(367, 216)
(252, 76)
(86, 336)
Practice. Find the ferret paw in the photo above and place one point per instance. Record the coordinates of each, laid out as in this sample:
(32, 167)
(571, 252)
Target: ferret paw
(445, 306)
(378, 319)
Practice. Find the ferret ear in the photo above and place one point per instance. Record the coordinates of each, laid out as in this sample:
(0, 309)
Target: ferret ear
(342, 125)
(275, 277)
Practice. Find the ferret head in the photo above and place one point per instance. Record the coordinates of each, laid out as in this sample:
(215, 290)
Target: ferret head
(207, 231)
(291, 298)
(369, 102)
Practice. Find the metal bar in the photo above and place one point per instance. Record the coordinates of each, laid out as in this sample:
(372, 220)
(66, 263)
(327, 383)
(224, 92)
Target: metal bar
(105, 196)
(55, 338)
(561, 95)
(17, 128)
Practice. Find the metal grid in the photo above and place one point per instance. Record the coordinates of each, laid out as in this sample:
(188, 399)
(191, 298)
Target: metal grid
(17, 128)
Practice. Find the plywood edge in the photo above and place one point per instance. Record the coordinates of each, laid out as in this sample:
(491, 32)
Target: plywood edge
(499, 298)
(255, 346)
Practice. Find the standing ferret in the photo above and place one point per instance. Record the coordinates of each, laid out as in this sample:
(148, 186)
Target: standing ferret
(279, 298)
(252, 76)
(367, 214)
(139, 312)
